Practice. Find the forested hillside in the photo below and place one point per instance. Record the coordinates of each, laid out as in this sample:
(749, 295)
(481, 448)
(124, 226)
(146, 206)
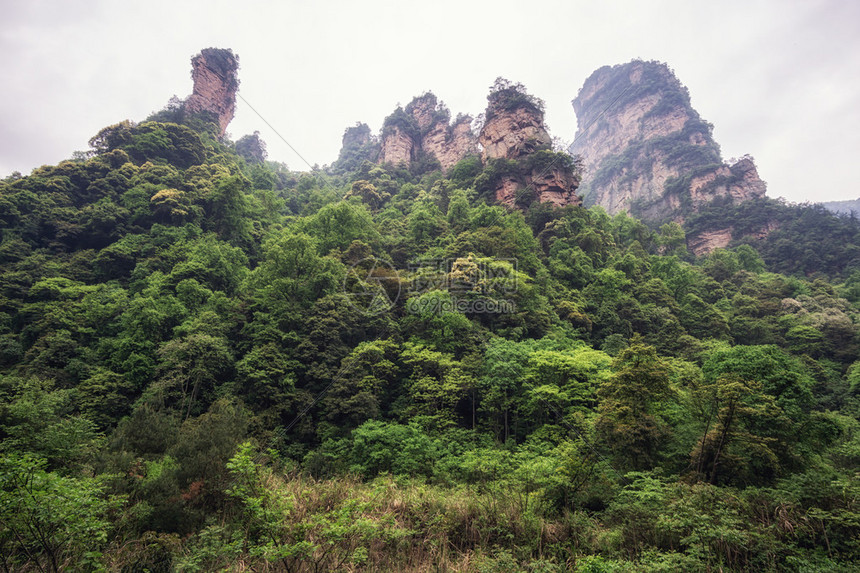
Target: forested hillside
(213, 363)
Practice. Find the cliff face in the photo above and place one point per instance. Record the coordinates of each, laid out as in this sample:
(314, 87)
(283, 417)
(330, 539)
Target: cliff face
(514, 130)
(720, 236)
(646, 150)
(424, 126)
(214, 72)
(398, 146)
(706, 241)
(510, 134)
(555, 185)
(450, 143)
(740, 181)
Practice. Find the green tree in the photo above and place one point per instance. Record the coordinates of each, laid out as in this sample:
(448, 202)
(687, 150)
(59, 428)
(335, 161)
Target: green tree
(267, 379)
(368, 193)
(335, 226)
(728, 449)
(192, 368)
(628, 420)
(51, 522)
(768, 375)
(672, 240)
(389, 447)
(226, 211)
(365, 386)
(500, 386)
(291, 276)
(40, 420)
(782, 376)
(426, 221)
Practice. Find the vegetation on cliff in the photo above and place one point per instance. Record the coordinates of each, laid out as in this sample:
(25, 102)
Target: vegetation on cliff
(799, 239)
(508, 96)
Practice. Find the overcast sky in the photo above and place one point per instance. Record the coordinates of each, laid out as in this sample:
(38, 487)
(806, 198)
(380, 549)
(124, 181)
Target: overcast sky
(779, 79)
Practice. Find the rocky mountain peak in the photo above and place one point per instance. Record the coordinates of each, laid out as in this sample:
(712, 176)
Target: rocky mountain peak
(645, 149)
(357, 135)
(513, 123)
(425, 126)
(426, 110)
(513, 131)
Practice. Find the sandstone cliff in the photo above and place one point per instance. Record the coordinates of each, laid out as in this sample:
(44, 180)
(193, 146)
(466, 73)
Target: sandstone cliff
(450, 143)
(706, 241)
(646, 151)
(514, 134)
(424, 127)
(510, 134)
(214, 72)
(513, 138)
(398, 146)
(555, 185)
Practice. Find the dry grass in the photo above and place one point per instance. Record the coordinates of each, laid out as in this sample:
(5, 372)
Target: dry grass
(400, 525)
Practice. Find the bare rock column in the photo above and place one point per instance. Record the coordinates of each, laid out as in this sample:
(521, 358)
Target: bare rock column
(216, 81)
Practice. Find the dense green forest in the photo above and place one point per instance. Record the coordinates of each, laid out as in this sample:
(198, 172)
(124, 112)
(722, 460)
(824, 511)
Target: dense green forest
(802, 239)
(213, 363)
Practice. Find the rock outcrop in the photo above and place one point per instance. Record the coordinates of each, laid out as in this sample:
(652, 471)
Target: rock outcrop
(357, 146)
(555, 185)
(646, 151)
(510, 134)
(506, 190)
(356, 136)
(720, 236)
(706, 241)
(398, 146)
(450, 143)
(424, 128)
(214, 72)
(740, 181)
(514, 130)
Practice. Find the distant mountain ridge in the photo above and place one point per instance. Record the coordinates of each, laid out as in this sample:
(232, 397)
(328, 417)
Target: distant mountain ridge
(846, 207)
